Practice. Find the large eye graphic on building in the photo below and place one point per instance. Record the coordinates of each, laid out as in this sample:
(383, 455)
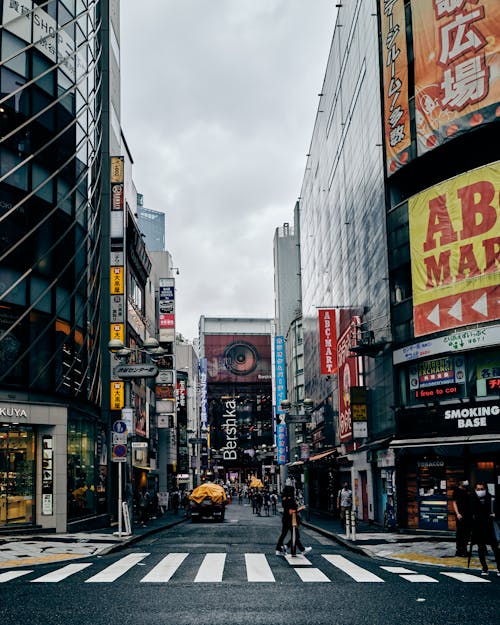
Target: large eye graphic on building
(240, 358)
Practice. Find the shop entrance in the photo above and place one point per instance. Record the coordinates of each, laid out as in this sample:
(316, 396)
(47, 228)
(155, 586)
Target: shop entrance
(17, 475)
(432, 497)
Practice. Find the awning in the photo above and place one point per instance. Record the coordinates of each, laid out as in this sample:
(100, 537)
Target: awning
(448, 440)
(324, 454)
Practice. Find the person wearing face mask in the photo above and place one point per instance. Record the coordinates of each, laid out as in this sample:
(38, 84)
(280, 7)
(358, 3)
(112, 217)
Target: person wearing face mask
(483, 532)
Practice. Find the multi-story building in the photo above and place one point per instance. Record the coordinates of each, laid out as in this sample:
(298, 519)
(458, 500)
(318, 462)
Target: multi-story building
(344, 272)
(239, 397)
(54, 107)
(152, 225)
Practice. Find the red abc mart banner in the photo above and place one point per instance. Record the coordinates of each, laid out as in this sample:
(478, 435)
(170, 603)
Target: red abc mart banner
(327, 342)
(455, 251)
(457, 67)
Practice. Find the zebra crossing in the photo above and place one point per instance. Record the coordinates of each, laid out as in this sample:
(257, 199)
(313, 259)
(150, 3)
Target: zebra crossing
(252, 567)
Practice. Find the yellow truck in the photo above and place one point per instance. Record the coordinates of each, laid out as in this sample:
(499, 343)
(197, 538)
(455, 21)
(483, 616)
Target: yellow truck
(208, 501)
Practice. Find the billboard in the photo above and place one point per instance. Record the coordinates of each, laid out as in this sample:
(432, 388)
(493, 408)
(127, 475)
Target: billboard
(327, 342)
(166, 305)
(280, 371)
(455, 251)
(238, 357)
(457, 68)
(348, 377)
(395, 82)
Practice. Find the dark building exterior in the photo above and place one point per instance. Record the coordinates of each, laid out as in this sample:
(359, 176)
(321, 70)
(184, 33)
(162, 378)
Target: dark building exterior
(53, 443)
(239, 397)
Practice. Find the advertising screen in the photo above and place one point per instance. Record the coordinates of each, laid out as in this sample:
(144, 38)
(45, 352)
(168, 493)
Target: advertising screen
(455, 251)
(457, 67)
(238, 357)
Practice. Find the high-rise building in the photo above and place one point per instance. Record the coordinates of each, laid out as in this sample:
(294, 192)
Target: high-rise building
(152, 225)
(58, 60)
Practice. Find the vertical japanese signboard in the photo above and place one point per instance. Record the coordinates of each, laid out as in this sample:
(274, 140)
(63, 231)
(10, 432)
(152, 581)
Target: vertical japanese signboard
(279, 371)
(327, 342)
(282, 443)
(203, 394)
(457, 67)
(455, 251)
(348, 377)
(167, 310)
(395, 80)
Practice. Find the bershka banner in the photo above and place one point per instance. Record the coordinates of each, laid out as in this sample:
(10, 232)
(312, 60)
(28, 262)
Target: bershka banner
(327, 341)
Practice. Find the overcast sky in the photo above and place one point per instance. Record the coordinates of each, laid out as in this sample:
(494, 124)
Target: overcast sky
(219, 99)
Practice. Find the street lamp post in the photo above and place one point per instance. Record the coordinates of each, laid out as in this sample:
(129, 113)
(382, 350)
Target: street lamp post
(302, 415)
(127, 372)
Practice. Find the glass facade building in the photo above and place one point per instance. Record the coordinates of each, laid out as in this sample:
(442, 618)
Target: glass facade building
(50, 254)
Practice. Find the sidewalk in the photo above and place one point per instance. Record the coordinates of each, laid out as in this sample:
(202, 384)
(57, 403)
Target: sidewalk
(430, 549)
(436, 549)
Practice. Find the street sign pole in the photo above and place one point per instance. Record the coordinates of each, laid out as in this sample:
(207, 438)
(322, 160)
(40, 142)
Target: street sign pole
(120, 511)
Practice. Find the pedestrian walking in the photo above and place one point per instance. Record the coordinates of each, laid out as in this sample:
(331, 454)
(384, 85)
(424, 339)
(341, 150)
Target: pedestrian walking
(274, 503)
(289, 523)
(462, 500)
(175, 501)
(143, 506)
(484, 515)
(344, 502)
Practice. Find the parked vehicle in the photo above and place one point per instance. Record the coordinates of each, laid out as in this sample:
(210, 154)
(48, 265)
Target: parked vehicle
(208, 501)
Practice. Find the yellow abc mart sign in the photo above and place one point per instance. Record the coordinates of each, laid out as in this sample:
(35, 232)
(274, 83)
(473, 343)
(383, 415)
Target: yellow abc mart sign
(455, 251)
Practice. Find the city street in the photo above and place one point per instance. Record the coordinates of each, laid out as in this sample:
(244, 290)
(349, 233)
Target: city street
(227, 573)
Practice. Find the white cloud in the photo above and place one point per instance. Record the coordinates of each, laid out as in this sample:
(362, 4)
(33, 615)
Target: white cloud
(218, 105)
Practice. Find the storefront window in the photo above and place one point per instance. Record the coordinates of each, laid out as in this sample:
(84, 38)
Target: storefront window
(17, 466)
(432, 497)
(82, 499)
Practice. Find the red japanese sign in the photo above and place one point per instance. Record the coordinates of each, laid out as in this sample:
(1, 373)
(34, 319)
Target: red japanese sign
(348, 377)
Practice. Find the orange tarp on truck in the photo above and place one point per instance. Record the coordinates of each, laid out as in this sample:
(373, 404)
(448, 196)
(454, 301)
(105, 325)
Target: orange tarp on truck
(216, 493)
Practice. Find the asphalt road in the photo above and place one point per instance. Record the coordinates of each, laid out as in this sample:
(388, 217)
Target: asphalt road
(227, 574)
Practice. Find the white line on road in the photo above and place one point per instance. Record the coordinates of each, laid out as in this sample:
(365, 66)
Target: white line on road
(397, 569)
(297, 560)
(60, 574)
(212, 568)
(164, 570)
(353, 570)
(258, 569)
(117, 569)
(6, 577)
(419, 578)
(466, 577)
(311, 575)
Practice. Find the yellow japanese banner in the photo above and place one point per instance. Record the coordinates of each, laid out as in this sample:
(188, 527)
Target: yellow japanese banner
(117, 395)
(116, 281)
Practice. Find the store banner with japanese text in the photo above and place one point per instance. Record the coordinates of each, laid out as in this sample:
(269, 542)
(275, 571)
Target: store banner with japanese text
(395, 77)
(348, 377)
(167, 310)
(457, 67)
(279, 371)
(455, 251)
(327, 341)
(282, 443)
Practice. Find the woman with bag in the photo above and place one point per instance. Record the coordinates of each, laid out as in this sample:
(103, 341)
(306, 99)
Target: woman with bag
(483, 526)
(289, 523)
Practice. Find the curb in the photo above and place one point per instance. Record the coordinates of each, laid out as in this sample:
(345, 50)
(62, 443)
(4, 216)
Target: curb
(341, 541)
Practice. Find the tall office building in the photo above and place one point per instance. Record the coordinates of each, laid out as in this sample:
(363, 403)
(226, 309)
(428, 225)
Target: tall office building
(54, 80)
(152, 225)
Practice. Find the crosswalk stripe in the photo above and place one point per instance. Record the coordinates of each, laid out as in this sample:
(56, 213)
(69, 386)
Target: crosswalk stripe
(414, 577)
(397, 569)
(117, 569)
(258, 569)
(60, 574)
(164, 570)
(465, 577)
(6, 577)
(351, 569)
(297, 560)
(212, 568)
(312, 575)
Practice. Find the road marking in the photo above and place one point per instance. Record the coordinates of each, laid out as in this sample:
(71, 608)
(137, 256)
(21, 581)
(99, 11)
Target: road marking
(414, 577)
(164, 570)
(212, 568)
(117, 569)
(6, 577)
(466, 577)
(258, 569)
(297, 560)
(351, 569)
(60, 574)
(397, 569)
(312, 575)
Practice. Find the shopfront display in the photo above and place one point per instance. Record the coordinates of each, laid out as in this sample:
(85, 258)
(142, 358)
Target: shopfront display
(17, 471)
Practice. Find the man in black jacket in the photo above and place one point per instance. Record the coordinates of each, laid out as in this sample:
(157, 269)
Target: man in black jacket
(483, 531)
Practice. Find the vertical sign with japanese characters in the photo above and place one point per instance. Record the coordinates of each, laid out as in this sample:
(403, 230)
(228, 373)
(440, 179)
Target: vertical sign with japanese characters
(457, 67)
(279, 371)
(167, 310)
(327, 342)
(282, 443)
(395, 79)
